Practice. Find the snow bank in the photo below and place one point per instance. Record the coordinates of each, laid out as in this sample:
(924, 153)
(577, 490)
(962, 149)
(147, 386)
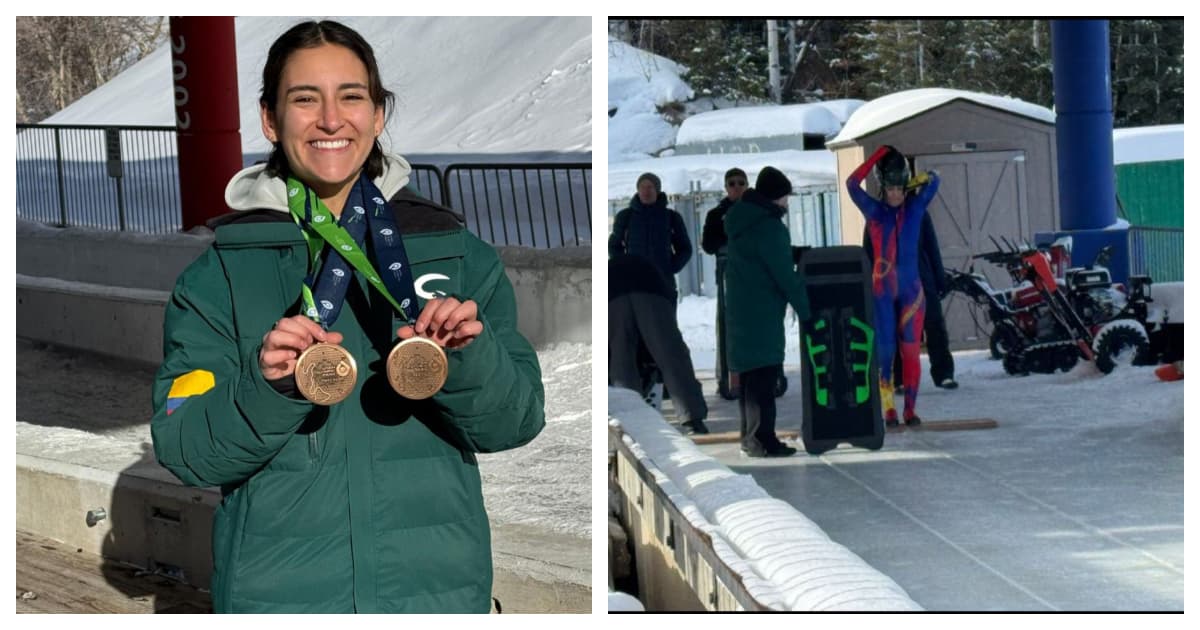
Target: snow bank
(766, 121)
(804, 168)
(532, 94)
(1166, 303)
(785, 560)
(893, 108)
(639, 83)
(1147, 144)
(634, 73)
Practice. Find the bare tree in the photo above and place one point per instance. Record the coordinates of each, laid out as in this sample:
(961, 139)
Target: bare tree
(61, 58)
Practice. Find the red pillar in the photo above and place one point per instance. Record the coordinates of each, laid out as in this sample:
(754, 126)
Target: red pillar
(204, 66)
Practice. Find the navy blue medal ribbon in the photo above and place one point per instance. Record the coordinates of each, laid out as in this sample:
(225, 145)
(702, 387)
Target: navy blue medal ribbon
(325, 287)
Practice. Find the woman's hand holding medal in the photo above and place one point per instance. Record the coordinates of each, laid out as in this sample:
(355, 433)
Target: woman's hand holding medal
(285, 342)
(417, 366)
(447, 322)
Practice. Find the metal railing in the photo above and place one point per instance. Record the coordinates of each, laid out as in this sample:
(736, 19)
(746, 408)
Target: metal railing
(537, 205)
(1156, 252)
(64, 178)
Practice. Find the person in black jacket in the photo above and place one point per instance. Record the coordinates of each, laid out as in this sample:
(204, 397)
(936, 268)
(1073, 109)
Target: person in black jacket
(640, 308)
(933, 279)
(651, 230)
(713, 240)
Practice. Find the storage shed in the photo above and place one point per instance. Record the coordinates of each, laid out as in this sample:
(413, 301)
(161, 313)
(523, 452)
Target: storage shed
(1149, 170)
(998, 165)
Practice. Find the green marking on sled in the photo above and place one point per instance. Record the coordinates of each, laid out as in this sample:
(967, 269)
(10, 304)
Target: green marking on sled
(863, 392)
(818, 370)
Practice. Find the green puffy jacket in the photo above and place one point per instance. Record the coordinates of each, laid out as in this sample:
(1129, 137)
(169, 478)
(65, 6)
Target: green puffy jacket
(373, 504)
(760, 281)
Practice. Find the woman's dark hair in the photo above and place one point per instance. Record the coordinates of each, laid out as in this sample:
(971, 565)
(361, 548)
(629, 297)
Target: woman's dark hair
(311, 35)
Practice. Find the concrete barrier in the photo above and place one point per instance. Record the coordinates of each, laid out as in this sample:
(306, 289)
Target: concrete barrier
(706, 538)
(148, 519)
(106, 291)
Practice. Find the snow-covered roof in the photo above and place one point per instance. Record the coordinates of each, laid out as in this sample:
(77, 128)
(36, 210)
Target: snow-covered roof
(766, 121)
(534, 93)
(1147, 144)
(893, 108)
(804, 168)
(636, 73)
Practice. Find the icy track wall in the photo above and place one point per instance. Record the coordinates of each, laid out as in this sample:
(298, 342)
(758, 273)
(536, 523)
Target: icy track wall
(708, 539)
(106, 291)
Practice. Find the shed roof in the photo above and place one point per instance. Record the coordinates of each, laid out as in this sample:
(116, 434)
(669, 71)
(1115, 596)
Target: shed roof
(1147, 144)
(893, 108)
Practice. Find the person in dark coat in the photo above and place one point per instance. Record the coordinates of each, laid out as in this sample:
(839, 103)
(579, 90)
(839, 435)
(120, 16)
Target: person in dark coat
(760, 282)
(713, 239)
(651, 230)
(933, 278)
(713, 242)
(640, 308)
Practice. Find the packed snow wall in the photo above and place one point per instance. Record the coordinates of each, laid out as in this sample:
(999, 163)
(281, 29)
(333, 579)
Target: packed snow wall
(706, 538)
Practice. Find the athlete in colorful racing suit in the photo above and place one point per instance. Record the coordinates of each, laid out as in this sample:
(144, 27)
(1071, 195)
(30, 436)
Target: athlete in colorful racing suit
(895, 224)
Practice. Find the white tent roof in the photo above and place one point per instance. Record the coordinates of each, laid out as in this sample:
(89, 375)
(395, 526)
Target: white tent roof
(803, 168)
(766, 121)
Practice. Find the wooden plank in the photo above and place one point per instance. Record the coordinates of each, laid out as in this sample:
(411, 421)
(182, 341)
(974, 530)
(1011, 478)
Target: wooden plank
(67, 580)
(967, 424)
(948, 425)
(733, 436)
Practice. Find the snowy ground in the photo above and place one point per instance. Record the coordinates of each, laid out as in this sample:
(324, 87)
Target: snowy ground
(95, 410)
(1083, 392)
(1074, 502)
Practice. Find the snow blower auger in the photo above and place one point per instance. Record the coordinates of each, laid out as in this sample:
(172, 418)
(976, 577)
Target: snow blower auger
(1045, 323)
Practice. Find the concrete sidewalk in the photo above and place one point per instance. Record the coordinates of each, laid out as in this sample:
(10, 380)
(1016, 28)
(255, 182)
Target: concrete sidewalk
(1052, 510)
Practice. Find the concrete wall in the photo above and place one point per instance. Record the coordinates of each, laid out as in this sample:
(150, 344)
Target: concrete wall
(153, 522)
(106, 291)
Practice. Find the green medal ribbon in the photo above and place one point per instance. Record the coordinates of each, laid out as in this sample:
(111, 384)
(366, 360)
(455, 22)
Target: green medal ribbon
(319, 226)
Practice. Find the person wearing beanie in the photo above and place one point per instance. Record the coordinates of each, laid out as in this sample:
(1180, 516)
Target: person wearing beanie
(760, 281)
(894, 223)
(648, 228)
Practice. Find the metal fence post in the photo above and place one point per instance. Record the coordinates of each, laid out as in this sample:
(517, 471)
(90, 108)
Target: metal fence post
(62, 189)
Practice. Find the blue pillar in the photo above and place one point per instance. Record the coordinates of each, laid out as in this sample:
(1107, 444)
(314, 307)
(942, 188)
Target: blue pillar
(1086, 178)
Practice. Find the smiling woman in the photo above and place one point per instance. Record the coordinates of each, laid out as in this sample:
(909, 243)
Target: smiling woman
(346, 461)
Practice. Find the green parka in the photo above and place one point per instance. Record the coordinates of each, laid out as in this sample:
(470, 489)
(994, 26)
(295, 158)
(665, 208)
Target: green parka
(373, 504)
(760, 281)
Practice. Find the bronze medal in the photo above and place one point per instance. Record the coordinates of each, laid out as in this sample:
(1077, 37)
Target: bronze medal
(326, 374)
(417, 368)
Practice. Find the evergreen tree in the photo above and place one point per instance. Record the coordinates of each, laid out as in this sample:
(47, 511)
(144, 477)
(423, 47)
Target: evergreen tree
(1147, 71)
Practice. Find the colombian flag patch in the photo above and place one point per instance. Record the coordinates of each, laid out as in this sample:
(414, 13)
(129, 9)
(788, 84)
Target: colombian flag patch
(191, 384)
